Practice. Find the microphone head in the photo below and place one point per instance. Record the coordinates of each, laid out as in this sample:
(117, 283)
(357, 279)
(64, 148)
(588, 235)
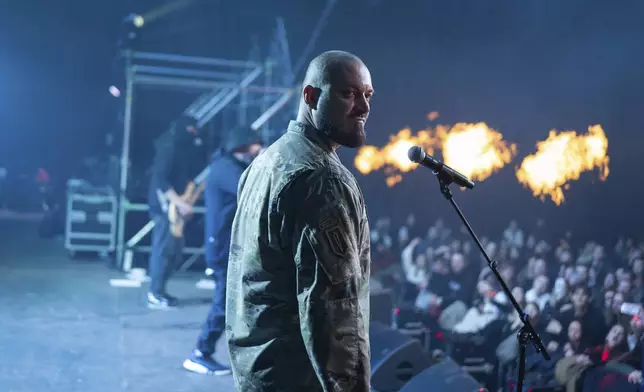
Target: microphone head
(416, 154)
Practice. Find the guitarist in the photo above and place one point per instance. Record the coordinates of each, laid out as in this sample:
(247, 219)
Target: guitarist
(226, 168)
(175, 164)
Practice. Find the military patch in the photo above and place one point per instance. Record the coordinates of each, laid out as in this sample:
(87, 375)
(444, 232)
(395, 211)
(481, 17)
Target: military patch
(335, 236)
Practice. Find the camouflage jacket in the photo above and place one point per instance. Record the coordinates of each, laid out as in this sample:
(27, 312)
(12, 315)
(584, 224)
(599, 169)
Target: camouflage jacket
(297, 311)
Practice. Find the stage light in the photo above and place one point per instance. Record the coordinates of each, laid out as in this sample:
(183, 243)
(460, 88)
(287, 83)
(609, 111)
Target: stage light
(138, 21)
(115, 91)
(135, 20)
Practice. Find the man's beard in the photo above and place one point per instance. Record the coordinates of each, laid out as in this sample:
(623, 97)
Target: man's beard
(350, 139)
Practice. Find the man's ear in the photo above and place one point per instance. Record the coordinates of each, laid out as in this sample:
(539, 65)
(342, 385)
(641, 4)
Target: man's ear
(311, 95)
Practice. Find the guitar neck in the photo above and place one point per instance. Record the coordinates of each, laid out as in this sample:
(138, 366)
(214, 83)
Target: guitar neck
(193, 194)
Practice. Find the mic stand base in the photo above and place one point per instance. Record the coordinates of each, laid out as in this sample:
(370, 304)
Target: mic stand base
(524, 336)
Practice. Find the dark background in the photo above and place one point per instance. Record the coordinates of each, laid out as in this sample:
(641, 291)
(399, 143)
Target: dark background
(522, 67)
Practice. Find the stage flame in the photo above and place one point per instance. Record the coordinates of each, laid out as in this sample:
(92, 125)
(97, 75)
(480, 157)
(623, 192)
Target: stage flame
(393, 156)
(562, 158)
(475, 150)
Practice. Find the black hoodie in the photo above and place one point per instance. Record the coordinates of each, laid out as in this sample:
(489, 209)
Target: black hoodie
(179, 157)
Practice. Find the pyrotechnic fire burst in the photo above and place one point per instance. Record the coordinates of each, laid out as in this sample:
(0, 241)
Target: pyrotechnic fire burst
(475, 150)
(562, 158)
(393, 155)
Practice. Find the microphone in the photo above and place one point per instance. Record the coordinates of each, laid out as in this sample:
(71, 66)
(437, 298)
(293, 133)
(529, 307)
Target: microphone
(418, 155)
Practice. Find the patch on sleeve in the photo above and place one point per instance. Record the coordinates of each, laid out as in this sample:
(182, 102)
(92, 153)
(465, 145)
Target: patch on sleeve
(335, 236)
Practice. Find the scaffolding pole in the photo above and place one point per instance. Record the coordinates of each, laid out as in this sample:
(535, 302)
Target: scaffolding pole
(125, 156)
(193, 60)
(242, 108)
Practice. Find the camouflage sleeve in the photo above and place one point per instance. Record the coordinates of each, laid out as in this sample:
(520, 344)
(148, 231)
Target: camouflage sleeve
(327, 244)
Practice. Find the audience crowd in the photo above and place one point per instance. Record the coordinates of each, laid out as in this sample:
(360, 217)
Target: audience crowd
(573, 293)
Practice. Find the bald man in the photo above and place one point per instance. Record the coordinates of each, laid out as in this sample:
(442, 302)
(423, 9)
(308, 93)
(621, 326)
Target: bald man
(297, 309)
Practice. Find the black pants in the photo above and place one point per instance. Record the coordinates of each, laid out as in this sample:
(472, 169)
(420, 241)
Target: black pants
(216, 322)
(166, 251)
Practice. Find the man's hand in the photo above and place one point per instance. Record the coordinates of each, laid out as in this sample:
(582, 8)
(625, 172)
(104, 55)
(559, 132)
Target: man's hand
(552, 347)
(583, 359)
(554, 327)
(185, 209)
(635, 377)
(415, 241)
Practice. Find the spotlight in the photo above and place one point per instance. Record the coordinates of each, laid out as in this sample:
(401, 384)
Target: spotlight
(138, 21)
(134, 19)
(115, 91)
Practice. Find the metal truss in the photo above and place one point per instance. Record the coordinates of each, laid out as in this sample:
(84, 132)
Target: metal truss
(223, 81)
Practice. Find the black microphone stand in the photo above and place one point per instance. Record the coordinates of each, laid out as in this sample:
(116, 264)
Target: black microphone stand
(527, 332)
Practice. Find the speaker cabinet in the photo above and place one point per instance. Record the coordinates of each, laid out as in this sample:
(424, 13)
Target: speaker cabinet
(395, 358)
(445, 375)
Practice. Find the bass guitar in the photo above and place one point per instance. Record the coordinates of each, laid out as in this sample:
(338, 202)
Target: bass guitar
(177, 220)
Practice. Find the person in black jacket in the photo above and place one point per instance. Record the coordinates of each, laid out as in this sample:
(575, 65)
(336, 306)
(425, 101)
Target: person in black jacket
(226, 168)
(176, 163)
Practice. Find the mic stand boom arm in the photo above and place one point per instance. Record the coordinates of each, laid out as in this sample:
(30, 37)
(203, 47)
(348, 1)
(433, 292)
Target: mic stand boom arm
(527, 332)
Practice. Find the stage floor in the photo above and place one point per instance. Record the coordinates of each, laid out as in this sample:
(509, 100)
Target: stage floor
(64, 328)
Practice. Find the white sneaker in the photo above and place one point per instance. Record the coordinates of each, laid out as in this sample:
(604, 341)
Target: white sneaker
(206, 284)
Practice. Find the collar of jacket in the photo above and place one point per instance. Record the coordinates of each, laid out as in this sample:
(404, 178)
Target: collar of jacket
(311, 133)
